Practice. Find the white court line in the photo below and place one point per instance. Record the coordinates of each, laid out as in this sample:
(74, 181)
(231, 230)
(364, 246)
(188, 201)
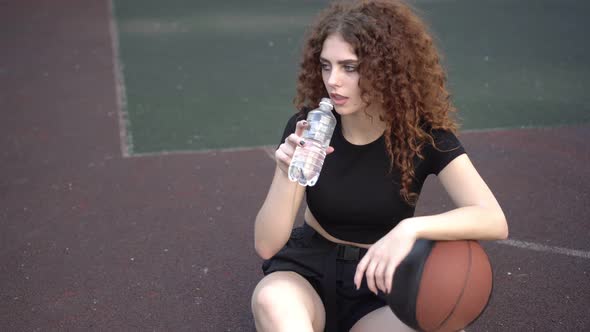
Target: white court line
(125, 137)
(544, 248)
(265, 148)
(128, 148)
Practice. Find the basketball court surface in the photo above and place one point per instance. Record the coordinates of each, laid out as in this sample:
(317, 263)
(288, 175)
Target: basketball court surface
(137, 139)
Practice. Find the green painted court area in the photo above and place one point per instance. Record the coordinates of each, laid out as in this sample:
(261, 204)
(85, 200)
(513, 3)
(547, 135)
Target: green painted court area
(212, 75)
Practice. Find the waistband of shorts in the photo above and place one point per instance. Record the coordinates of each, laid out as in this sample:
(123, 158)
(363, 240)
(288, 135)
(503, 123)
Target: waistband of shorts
(344, 252)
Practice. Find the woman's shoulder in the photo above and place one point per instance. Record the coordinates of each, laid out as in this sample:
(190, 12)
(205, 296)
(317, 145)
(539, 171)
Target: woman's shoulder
(445, 147)
(444, 139)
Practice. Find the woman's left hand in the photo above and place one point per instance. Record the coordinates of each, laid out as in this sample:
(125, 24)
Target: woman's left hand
(383, 257)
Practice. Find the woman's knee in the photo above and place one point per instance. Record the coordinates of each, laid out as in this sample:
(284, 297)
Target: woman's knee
(281, 296)
(280, 289)
(267, 295)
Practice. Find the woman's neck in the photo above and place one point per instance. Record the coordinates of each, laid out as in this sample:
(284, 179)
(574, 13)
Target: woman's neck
(361, 128)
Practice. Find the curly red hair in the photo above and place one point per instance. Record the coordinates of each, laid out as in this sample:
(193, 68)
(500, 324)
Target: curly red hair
(399, 68)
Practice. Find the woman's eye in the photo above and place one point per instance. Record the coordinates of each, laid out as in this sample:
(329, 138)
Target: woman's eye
(325, 66)
(350, 68)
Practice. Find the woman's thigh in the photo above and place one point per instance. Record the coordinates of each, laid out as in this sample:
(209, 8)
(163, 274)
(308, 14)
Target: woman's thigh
(290, 290)
(379, 320)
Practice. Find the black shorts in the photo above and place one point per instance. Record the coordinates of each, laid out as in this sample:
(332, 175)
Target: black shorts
(330, 269)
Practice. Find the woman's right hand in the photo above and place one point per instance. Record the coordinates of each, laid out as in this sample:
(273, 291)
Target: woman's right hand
(286, 150)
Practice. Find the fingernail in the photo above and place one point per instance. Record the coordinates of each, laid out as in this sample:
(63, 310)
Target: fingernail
(302, 143)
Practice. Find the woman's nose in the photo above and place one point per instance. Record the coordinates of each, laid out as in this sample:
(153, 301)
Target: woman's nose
(334, 78)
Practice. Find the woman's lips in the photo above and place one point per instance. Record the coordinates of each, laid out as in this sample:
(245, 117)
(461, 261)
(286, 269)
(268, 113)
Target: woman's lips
(338, 99)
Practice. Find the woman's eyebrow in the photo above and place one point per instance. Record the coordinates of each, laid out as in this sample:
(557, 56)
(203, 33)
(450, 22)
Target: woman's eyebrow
(341, 62)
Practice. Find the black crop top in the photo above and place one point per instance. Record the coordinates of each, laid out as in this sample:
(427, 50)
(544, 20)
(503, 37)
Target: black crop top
(356, 198)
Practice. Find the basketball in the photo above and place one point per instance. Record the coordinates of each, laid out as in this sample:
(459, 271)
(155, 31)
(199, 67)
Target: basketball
(441, 285)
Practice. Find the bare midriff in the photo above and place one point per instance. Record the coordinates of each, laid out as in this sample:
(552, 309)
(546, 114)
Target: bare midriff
(313, 223)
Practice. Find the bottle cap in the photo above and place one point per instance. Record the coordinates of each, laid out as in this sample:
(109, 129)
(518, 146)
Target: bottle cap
(327, 102)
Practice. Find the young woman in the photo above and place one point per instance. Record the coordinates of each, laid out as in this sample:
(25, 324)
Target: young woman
(377, 62)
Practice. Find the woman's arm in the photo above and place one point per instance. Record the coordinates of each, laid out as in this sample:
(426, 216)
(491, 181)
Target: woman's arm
(276, 217)
(478, 215)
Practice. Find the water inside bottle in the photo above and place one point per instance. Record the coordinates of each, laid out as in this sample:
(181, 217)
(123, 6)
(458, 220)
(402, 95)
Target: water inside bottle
(307, 163)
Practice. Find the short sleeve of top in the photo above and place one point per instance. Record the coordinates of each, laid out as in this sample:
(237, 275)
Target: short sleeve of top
(446, 148)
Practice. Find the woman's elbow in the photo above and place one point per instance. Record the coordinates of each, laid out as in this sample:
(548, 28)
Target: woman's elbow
(262, 251)
(502, 226)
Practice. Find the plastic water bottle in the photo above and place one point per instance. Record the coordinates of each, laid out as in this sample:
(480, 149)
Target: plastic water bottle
(308, 160)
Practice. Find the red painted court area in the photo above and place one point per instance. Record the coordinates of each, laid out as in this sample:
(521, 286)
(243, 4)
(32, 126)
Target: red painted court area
(92, 240)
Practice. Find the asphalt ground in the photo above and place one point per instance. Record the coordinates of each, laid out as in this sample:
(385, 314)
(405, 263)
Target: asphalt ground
(93, 238)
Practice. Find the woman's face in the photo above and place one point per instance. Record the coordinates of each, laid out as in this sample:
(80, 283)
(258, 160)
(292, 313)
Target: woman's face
(340, 74)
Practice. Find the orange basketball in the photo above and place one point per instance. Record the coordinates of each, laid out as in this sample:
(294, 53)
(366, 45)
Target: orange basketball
(442, 285)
